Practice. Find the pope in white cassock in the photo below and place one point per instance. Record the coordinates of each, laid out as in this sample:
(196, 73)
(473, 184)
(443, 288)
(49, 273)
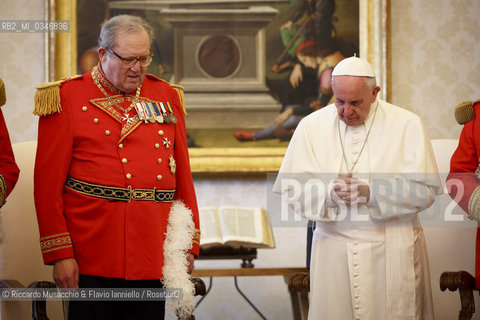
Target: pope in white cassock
(365, 169)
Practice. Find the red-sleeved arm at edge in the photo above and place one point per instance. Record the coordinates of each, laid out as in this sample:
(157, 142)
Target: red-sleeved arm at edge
(462, 180)
(54, 153)
(8, 167)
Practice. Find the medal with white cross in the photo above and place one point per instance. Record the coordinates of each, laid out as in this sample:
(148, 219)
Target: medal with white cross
(127, 118)
(166, 143)
(172, 164)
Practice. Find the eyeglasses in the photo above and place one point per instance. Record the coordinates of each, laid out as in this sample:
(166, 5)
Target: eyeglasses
(131, 61)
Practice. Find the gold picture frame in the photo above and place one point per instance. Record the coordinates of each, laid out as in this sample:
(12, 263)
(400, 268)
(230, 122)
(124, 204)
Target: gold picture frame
(374, 29)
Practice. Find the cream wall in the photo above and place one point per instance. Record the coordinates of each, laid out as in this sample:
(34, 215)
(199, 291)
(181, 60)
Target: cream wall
(435, 61)
(22, 67)
(434, 67)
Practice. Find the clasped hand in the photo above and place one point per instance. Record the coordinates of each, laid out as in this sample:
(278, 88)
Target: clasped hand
(349, 191)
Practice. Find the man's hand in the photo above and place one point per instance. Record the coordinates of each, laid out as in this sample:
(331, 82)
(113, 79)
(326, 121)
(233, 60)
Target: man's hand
(282, 117)
(296, 76)
(288, 25)
(191, 260)
(65, 273)
(349, 191)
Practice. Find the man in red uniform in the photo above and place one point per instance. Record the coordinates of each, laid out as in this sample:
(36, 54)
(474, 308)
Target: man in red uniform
(111, 170)
(463, 181)
(8, 168)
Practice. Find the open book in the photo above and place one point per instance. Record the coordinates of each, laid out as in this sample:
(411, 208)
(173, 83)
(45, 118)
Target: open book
(235, 226)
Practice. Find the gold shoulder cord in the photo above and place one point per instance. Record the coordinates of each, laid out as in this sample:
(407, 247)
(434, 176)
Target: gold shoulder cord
(3, 96)
(3, 190)
(181, 96)
(474, 204)
(464, 112)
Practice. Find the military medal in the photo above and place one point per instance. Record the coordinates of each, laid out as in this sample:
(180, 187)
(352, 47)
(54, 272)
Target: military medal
(172, 116)
(149, 108)
(172, 164)
(158, 114)
(165, 114)
(166, 143)
(141, 111)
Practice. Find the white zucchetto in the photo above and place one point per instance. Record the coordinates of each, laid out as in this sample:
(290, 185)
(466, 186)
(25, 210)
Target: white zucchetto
(353, 66)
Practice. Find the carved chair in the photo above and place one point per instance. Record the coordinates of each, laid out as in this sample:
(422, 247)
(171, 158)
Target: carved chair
(462, 281)
(465, 283)
(299, 284)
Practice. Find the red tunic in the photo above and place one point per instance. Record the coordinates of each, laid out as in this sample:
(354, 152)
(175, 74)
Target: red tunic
(93, 141)
(8, 168)
(463, 165)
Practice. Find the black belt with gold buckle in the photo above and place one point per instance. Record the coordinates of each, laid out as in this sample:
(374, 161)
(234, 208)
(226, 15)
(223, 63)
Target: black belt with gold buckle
(119, 194)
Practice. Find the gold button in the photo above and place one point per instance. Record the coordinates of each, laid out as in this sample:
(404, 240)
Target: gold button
(159, 177)
(160, 132)
(107, 132)
(129, 176)
(124, 160)
(84, 108)
(120, 146)
(95, 120)
(157, 145)
(159, 160)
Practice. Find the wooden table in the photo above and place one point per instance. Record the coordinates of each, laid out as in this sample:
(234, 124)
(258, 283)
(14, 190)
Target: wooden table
(299, 300)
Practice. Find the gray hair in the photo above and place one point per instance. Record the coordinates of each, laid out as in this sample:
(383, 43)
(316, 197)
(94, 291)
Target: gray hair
(122, 23)
(371, 82)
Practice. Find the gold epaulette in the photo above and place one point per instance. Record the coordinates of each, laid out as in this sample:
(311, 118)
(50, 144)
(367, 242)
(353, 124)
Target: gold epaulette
(464, 112)
(3, 96)
(3, 190)
(47, 97)
(181, 96)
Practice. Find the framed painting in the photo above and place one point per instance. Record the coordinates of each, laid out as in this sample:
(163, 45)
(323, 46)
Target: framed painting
(242, 64)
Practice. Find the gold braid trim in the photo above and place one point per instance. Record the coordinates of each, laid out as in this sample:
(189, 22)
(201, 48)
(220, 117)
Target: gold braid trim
(464, 112)
(3, 96)
(55, 242)
(474, 204)
(196, 236)
(3, 190)
(181, 96)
